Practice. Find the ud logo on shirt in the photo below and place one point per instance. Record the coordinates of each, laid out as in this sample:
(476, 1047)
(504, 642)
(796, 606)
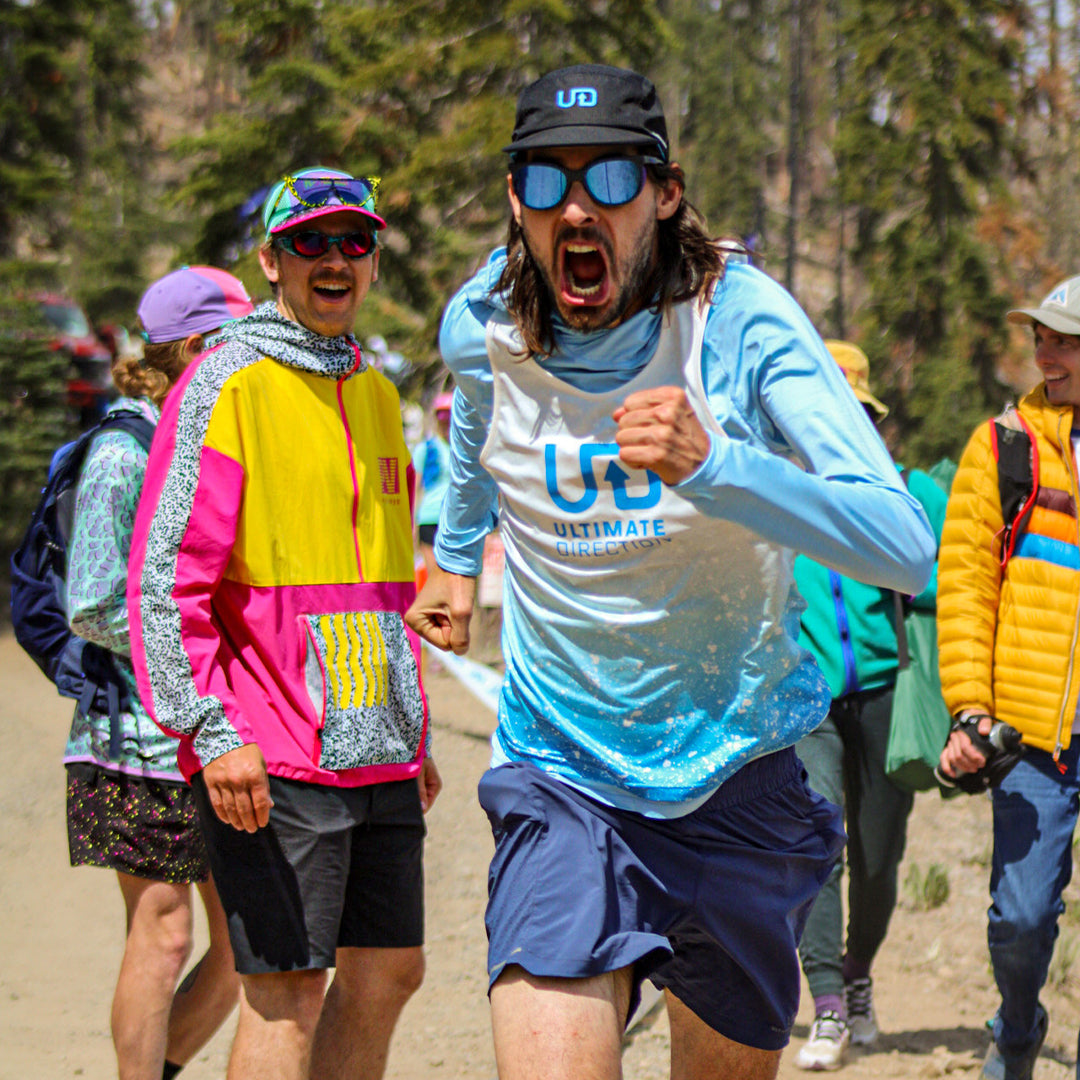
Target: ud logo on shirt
(614, 475)
(584, 97)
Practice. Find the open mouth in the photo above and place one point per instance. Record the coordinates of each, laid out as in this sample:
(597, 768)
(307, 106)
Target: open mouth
(585, 278)
(331, 290)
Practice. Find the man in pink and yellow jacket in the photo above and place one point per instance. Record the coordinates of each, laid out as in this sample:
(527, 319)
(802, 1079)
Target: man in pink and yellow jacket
(271, 566)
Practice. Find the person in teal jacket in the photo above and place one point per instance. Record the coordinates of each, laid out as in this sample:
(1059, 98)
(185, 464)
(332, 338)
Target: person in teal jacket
(851, 630)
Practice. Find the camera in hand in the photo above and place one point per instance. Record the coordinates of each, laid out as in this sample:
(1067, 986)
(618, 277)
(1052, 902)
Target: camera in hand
(1002, 748)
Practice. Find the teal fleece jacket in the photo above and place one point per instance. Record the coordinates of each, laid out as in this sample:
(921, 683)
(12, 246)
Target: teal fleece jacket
(850, 627)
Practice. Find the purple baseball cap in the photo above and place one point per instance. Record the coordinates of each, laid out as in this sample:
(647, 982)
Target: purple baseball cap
(191, 300)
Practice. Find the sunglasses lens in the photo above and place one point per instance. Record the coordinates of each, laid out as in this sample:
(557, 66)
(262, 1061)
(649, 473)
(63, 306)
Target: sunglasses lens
(319, 190)
(539, 186)
(611, 182)
(356, 245)
(310, 245)
(615, 181)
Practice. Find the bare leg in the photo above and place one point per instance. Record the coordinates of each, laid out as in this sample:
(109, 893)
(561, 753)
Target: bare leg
(209, 990)
(559, 1029)
(278, 1015)
(699, 1053)
(362, 1006)
(157, 947)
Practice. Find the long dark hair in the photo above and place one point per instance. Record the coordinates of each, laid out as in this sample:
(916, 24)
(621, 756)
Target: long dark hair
(689, 263)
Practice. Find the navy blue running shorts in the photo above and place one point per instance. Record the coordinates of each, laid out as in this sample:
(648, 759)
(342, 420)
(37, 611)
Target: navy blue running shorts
(710, 905)
(334, 868)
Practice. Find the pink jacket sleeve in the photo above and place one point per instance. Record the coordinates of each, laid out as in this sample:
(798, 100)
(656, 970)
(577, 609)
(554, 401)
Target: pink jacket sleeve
(184, 534)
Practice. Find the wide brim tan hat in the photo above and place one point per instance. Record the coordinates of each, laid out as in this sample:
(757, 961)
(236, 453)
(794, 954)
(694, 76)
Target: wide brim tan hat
(855, 364)
(1060, 309)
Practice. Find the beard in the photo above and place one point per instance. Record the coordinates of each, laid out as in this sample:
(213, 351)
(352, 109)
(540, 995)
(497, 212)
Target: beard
(631, 273)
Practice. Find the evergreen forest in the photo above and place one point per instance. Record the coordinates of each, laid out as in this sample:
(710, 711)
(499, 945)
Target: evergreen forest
(906, 168)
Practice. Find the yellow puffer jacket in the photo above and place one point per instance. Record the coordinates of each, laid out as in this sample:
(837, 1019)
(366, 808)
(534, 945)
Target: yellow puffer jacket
(1008, 642)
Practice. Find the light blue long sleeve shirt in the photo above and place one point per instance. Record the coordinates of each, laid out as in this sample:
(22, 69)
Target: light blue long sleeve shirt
(798, 464)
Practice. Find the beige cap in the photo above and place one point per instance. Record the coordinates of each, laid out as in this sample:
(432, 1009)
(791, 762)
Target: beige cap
(1060, 309)
(856, 366)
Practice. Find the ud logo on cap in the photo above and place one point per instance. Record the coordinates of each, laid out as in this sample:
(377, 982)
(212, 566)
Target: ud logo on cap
(582, 96)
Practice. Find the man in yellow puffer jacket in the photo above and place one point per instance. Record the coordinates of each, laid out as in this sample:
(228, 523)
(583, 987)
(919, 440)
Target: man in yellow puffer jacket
(1009, 643)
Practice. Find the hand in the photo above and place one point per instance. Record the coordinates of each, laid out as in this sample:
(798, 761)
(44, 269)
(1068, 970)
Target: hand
(238, 788)
(430, 783)
(659, 430)
(960, 755)
(441, 613)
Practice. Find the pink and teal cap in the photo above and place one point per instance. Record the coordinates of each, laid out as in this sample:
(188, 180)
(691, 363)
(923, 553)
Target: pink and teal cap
(315, 192)
(191, 300)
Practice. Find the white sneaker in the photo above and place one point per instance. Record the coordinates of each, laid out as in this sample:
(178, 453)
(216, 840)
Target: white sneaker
(859, 1000)
(824, 1050)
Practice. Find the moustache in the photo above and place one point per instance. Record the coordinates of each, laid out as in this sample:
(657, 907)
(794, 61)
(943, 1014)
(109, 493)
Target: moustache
(591, 236)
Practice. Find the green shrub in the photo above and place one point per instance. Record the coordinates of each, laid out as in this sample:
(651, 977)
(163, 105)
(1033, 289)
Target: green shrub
(928, 890)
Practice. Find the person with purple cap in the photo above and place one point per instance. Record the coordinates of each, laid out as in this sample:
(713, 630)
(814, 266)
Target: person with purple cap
(128, 807)
(655, 427)
(1008, 619)
(271, 568)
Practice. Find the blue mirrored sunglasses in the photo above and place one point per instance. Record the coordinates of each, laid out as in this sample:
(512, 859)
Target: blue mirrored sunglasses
(611, 181)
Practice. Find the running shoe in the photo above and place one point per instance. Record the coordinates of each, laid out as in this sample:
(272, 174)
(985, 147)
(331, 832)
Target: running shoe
(859, 1000)
(824, 1050)
(995, 1067)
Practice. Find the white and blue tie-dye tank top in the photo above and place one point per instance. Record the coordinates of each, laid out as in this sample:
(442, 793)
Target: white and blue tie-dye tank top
(651, 650)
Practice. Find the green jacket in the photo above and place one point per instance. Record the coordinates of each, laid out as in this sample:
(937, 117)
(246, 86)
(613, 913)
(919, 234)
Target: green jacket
(850, 627)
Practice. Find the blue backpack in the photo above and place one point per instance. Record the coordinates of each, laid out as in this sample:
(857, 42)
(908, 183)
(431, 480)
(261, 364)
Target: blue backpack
(78, 668)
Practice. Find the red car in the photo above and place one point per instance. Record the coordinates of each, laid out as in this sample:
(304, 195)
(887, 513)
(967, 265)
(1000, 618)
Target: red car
(90, 386)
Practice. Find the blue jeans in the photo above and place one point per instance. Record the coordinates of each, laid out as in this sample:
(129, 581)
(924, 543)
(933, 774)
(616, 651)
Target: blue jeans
(1035, 812)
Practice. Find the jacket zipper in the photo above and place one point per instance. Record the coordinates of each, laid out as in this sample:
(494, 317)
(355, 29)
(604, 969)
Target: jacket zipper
(1070, 461)
(352, 456)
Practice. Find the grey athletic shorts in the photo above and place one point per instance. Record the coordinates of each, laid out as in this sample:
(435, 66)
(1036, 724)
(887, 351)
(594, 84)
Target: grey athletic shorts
(334, 868)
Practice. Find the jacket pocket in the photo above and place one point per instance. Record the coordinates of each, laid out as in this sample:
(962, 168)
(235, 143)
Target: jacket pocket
(362, 679)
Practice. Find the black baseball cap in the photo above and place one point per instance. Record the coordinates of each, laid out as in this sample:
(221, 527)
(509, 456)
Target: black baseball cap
(590, 105)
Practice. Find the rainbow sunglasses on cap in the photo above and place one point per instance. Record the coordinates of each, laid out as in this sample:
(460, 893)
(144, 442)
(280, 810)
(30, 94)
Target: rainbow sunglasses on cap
(313, 193)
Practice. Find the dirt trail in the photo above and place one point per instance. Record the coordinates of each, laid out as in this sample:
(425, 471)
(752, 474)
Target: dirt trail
(62, 929)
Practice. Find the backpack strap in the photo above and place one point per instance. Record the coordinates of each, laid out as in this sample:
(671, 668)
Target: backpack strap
(900, 607)
(1016, 452)
(903, 653)
(137, 426)
(115, 733)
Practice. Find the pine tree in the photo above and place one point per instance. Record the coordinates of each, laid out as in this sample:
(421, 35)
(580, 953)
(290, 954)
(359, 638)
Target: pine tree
(33, 420)
(39, 127)
(116, 207)
(924, 136)
(71, 151)
(729, 101)
(419, 93)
